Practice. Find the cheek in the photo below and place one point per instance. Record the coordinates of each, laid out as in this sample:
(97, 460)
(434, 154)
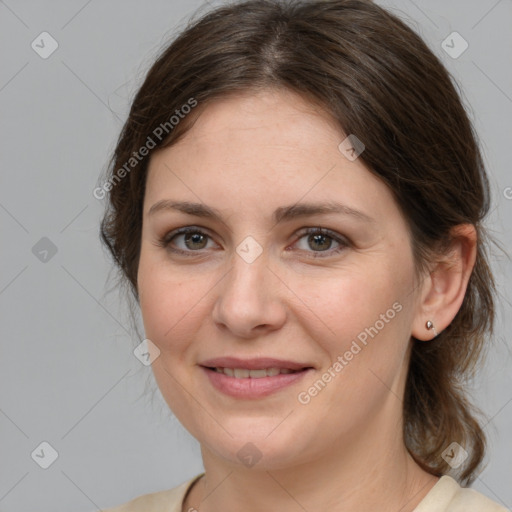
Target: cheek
(169, 305)
(170, 310)
(344, 305)
(361, 317)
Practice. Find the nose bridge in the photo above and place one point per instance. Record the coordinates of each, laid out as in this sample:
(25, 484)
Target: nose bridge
(247, 296)
(247, 281)
(247, 278)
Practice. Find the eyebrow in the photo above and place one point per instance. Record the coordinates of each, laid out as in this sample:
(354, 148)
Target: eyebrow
(281, 214)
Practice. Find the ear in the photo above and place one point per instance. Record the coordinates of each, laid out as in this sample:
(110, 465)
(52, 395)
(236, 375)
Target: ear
(443, 290)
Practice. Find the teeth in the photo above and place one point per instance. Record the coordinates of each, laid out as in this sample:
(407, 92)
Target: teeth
(243, 373)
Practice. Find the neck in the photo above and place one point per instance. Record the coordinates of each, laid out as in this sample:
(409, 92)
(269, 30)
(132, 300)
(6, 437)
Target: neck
(380, 475)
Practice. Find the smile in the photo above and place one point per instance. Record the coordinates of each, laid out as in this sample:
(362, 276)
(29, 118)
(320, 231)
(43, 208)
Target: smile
(252, 384)
(244, 373)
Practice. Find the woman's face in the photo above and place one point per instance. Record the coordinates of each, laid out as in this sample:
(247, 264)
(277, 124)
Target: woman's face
(257, 282)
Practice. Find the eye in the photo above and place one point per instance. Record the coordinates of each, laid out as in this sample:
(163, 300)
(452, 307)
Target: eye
(192, 240)
(317, 241)
(321, 241)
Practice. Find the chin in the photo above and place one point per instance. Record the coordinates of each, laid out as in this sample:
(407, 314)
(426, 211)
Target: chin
(266, 451)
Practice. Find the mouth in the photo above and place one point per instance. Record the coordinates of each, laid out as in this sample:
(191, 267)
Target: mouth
(244, 373)
(254, 368)
(253, 378)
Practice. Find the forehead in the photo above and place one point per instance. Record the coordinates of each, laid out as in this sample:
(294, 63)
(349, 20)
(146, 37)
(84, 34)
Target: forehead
(256, 134)
(266, 149)
(270, 115)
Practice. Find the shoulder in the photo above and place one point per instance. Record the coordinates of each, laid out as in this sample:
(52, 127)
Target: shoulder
(170, 500)
(469, 500)
(448, 496)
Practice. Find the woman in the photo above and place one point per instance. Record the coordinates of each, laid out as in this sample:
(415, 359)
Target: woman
(296, 201)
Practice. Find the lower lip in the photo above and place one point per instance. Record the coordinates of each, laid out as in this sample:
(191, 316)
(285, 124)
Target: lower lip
(252, 388)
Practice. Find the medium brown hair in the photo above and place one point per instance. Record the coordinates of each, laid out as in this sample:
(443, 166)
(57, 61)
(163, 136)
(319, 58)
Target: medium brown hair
(378, 80)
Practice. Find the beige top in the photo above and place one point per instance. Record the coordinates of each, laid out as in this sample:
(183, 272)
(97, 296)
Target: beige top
(446, 496)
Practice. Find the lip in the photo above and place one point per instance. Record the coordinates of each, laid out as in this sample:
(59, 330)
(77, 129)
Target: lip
(253, 364)
(251, 388)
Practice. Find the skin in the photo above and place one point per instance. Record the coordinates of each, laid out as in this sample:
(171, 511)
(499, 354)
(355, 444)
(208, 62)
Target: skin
(247, 155)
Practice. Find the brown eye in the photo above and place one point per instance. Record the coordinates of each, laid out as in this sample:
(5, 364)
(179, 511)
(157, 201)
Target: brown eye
(195, 240)
(316, 241)
(185, 240)
(320, 242)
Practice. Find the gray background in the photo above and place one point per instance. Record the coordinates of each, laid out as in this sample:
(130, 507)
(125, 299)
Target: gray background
(67, 372)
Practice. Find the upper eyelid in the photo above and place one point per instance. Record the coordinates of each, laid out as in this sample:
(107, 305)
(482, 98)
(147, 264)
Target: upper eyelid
(185, 230)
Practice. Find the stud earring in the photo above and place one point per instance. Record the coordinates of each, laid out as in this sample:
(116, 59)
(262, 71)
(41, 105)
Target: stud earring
(429, 325)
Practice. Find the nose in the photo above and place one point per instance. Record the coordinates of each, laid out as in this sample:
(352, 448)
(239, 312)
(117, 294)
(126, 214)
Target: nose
(249, 301)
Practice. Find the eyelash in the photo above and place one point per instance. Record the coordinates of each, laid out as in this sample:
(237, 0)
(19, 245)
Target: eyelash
(165, 241)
